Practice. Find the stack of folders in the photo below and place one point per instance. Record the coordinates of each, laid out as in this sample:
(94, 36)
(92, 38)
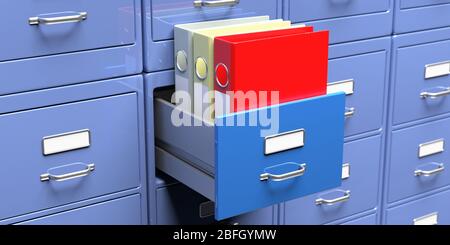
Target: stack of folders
(239, 64)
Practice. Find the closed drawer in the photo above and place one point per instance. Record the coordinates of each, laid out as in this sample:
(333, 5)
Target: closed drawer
(416, 15)
(68, 152)
(358, 192)
(430, 210)
(422, 81)
(360, 70)
(418, 159)
(179, 205)
(289, 157)
(47, 27)
(367, 220)
(122, 211)
(165, 14)
(346, 19)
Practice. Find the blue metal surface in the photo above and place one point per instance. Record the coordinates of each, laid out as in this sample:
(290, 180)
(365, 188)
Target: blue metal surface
(69, 53)
(417, 15)
(161, 15)
(367, 220)
(367, 63)
(240, 155)
(362, 184)
(106, 108)
(122, 211)
(346, 20)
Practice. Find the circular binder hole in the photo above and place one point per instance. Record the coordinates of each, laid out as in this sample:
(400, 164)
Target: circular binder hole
(181, 59)
(201, 68)
(222, 78)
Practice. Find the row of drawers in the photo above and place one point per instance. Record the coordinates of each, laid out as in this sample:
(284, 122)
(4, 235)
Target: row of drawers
(347, 20)
(70, 144)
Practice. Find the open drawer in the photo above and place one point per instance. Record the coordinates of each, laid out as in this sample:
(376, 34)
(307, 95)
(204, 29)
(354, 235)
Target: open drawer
(253, 159)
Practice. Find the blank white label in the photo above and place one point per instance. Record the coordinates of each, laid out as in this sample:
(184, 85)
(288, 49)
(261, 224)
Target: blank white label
(345, 171)
(429, 219)
(66, 142)
(437, 70)
(284, 141)
(345, 86)
(430, 148)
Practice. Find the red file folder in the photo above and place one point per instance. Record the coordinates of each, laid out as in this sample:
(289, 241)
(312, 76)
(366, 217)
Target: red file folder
(293, 62)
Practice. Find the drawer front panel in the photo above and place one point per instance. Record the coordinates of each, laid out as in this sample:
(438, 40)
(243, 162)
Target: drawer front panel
(414, 153)
(368, 220)
(416, 15)
(360, 183)
(430, 210)
(107, 162)
(167, 13)
(54, 27)
(122, 211)
(244, 172)
(363, 78)
(420, 83)
(346, 20)
(174, 201)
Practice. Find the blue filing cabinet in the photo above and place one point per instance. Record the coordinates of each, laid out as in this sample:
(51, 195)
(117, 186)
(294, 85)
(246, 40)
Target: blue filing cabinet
(85, 119)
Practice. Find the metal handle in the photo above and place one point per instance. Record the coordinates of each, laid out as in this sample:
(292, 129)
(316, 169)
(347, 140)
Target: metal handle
(217, 3)
(343, 198)
(77, 17)
(427, 173)
(286, 176)
(434, 95)
(47, 176)
(349, 112)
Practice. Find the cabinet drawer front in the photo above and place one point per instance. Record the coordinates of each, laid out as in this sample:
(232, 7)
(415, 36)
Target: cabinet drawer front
(346, 20)
(179, 205)
(248, 179)
(360, 183)
(122, 211)
(418, 159)
(165, 14)
(430, 210)
(362, 77)
(416, 15)
(101, 157)
(368, 220)
(421, 80)
(54, 27)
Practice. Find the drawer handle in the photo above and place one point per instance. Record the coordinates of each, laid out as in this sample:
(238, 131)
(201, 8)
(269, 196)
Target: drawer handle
(282, 177)
(73, 175)
(218, 3)
(434, 95)
(78, 17)
(349, 112)
(427, 173)
(345, 197)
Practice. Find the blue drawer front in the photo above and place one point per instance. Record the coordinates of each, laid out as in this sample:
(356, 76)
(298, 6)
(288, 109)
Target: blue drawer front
(413, 53)
(346, 20)
(179, 205)
(405, 160)
(435, 205)
(107, 44)
(366, 64)
(122, 211)
(368, 220)
(362, 185)
(107, 24)
(416, 15)
(162, 15)
(240, 158)
(114, 147)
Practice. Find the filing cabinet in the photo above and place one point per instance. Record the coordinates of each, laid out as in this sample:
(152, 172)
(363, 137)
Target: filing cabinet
(162, 15)
(54, 43)
(347, 20)
(367, 220)
(71, 144)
